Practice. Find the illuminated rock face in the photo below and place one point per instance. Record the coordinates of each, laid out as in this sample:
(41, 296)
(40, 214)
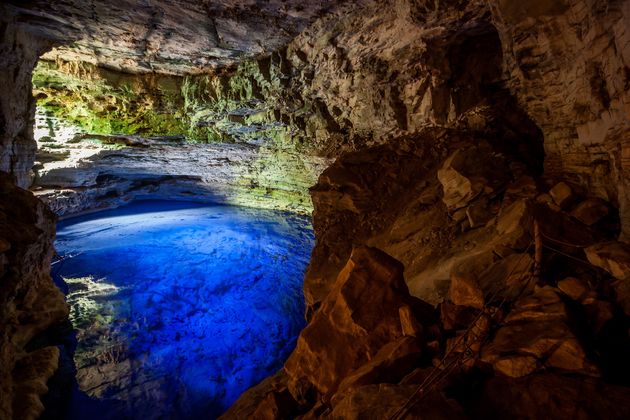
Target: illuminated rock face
(104, 172)
(180, 307)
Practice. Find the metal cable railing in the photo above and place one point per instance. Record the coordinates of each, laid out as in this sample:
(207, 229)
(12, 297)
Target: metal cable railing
(470, 337)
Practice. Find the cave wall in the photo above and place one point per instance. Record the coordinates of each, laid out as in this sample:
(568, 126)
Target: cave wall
(395, 90)
(20, 49)
(567, 62)
(31, 303)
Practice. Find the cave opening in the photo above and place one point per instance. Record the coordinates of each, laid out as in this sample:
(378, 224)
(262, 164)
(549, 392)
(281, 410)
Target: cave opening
(182, 245)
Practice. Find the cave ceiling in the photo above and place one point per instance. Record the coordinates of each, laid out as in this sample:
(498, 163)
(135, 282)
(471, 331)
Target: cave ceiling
(164, 36)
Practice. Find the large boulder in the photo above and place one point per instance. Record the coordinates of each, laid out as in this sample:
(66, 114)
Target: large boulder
(358, 317)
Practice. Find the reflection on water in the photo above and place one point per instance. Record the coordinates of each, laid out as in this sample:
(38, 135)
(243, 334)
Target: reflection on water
(180, 307)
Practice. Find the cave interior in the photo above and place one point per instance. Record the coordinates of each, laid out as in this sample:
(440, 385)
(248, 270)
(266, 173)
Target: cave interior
(357, 209)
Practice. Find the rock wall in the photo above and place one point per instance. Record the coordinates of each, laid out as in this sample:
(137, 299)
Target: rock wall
(567, 64)
(19, 51)
(31, 303)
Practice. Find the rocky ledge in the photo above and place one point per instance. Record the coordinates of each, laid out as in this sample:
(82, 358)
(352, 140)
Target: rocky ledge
(78, 172)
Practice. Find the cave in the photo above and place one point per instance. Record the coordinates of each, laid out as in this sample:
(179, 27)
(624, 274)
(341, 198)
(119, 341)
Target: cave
(360, 209)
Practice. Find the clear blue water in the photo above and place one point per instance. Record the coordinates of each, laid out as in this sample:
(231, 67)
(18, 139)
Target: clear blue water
(180, 307)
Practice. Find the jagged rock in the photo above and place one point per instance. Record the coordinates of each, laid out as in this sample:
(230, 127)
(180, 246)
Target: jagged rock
(276, 405)
(456, 317)
(573, 87)
(516, 366)
(478, 214)
(622, 294)
(357, 318)
(29, 381)
(384, 400)
(465, 290)
(524, 187)
(544, 305)
(259, 399)
(241, 174)
(590, 211)
(613, 257)
(599, 313)
(552, 396)
(29, 301)
(509, 277)
(513, 224)
(392, 362)
(154, 39)
(408, 322)
(575, 288)
(467, 173)
(562, 195)
(537, 327)
(469, 340)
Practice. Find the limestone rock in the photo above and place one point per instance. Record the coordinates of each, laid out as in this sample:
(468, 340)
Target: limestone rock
(508, 277)
(575, 288)
(622, 294)
(590, 211)
(562, 195)
(155, 39)
(544, 305)
(478, 214)
(383, 401)
(392, 362)
(537, 333)
(29, 301)
(613, 257)
(466, 174)
(408, 322)
(552, 396)
(266, 399)
(358, 317)
(516, 366)
(465, 291)
(30, 377)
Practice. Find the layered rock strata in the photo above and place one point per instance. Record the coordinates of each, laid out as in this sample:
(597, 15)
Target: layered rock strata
(108, 171)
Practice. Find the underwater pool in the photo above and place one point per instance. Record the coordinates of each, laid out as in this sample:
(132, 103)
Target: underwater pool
(179, 307)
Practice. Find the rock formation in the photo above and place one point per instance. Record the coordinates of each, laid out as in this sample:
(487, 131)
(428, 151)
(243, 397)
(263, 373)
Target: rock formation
(31, 303)
(470, 223)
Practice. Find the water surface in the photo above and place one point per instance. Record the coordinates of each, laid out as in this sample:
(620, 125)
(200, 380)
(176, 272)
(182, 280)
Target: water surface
(180, 307)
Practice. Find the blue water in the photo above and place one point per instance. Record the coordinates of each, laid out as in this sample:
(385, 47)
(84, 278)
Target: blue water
(180, 307)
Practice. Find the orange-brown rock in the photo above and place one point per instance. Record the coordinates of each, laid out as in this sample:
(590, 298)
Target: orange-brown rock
(392, 362)
(552, 396)
(575, 288)
(465, 290)
(613, 257)
(384, 400)
(29, 301)
(538, 332)
(358, 317)
(590, 211)
(562, 195)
